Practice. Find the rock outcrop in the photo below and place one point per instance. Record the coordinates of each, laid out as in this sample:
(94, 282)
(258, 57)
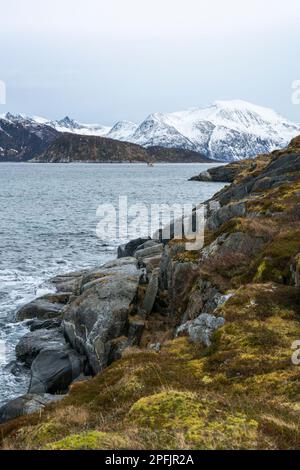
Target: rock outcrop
(53, 370)
(26, 405)
(48, 306)
(129, 249)
(34, 342)
(99, 315)
(201, 329)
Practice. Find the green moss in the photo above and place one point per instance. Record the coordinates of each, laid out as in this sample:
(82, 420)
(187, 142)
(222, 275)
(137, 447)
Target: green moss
(202, 422)
(187, 256)
(36, 436)
(267, 272)
(261, 301)
(92, 440)
(273, 264)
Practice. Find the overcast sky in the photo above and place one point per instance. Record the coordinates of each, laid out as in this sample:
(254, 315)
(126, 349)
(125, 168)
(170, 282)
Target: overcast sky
(102, 61)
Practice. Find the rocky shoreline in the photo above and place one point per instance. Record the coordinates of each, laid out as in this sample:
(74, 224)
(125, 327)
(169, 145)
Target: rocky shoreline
(93, 317)
(187, 349)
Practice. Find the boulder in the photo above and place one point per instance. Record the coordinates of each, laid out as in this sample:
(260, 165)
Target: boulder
(222, 174)
(236, 242)
(118, 266)
(152, 263)
(68, 282)
(222, 215)
(204, 298)
(50, 324)
(45, 307)
(33, 342)
(128, 249)
(148, 244)
(53, 370)
(201, 329)
(194, 307)
(182, 281)
(166, 264)
(100, 314)
(156, 347)
(151, 293)
(149, 252)
(26, 404)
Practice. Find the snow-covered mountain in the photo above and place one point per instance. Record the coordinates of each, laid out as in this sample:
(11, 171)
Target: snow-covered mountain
(63, 125)
(70, 125)
(21, 137)
(122, 130)
(226, 130)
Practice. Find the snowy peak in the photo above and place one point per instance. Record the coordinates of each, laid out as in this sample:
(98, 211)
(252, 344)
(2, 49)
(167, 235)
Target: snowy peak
(226, 130)
(68, 124)
(122, 130)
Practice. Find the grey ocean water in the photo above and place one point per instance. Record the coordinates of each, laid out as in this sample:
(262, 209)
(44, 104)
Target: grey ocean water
(48, 226)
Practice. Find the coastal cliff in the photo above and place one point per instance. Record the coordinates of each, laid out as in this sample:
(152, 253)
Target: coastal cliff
(186, 349)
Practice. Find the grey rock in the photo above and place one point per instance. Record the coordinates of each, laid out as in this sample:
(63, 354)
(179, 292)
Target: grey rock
(201, 329)
(282, 169)
(149, 252)
(151, 293)
(194, 307)
(236, 242)
(148, 244)
(184, 276)
(152, 263)
(155, 347)
(32, 343)
(166, 264)
(219, 174)
(48, 306)
(69, 282)
(213, 248)
(204, 298)
(26, 404)
(116, 267)
(100, 314)
(50, 324)
(53, 370)
(222, 215)
(129, 248)
(242, 242)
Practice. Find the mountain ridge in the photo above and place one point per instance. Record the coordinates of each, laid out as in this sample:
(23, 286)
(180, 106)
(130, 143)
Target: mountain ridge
(69, 148)
(226, 130)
